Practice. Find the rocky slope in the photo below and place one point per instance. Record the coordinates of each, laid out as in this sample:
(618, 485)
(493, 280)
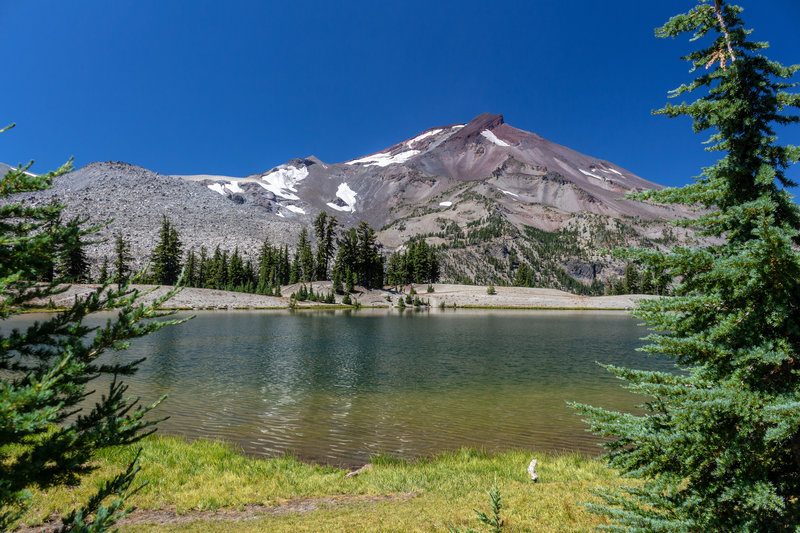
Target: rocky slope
(492, 197)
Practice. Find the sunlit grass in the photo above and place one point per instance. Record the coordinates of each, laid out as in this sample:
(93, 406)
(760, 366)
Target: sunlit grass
(426, 494)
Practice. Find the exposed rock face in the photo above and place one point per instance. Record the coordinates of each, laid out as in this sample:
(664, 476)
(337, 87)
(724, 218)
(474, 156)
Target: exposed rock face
(135, 199)
(491, 195)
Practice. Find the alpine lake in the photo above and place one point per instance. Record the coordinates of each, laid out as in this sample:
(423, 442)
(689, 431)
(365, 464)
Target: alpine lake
(337, 387)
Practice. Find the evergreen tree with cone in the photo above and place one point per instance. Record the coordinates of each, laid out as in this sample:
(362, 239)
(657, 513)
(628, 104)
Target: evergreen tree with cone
(718, 446)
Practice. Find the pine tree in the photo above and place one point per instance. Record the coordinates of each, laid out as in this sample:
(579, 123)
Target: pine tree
(305, 257)
(73, 266)
(631, 279)
(166, 257)
(718, 446)
(190, 274)
(325, 230)
(122, 263)
(237, 277)
(202, 268)
(47, 369)
(103, 277)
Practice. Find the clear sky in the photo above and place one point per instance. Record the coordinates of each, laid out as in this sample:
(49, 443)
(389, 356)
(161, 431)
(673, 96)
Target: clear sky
(238, 87)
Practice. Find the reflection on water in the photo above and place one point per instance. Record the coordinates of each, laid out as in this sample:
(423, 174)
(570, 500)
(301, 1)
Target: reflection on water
(337, 387)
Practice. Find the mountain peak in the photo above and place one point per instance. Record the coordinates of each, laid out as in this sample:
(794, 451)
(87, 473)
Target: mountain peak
(483, 122)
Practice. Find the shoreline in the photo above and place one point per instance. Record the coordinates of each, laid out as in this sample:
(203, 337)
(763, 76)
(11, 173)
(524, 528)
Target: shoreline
(450, 296)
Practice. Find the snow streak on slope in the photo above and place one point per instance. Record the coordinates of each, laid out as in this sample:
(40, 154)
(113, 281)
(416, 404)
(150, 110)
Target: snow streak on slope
(217, 187)
(595, 176)
(234, 187)
(423, 136)
(384, 159)
(347, 195)
(493, 138)
(282, 181)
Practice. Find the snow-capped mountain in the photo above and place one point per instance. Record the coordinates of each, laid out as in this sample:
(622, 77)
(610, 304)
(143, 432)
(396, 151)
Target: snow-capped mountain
(489, 195)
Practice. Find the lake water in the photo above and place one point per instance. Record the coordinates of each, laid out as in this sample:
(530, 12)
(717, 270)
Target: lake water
(338, 387)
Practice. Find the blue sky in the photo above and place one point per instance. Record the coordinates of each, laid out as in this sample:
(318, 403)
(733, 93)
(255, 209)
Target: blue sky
(238, 87)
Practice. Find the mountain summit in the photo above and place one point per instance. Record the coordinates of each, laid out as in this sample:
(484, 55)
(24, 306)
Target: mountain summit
(489, 196)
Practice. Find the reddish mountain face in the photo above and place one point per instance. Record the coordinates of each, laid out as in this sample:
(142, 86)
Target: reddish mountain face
(489, 196)
(522, 165)
(479, 191)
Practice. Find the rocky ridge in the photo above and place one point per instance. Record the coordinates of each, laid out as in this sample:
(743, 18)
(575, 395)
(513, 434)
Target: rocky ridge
(492, 198)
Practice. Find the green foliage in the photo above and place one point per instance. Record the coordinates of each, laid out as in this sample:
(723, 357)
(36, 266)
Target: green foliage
(417, 264)
(46, 437)
(122, 261)
(103, 276)
(718, 446)
(490, 289)
(495, 522)
(166, 257)
(325, 229)
(358, 256)
(72, 264)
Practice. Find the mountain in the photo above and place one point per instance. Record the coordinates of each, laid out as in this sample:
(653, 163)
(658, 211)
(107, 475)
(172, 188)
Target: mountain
(491, 197)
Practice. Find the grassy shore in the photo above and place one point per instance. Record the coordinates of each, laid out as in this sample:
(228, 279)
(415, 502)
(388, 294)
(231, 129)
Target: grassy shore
(209, 486)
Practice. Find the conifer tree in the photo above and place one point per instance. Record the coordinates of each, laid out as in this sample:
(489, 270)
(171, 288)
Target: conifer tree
(305, 256)
(325, 230)
(190, 272)
(73, 266)
(202, 268)
(122, 262)
(237, 277)
(103, 277)
(46, 371)
(718, 446)
(166, 257)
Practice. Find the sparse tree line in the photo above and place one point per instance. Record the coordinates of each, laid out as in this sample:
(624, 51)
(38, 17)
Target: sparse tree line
(348, 257)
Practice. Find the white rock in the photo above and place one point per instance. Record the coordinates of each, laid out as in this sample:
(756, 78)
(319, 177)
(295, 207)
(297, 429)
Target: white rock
(532, 470)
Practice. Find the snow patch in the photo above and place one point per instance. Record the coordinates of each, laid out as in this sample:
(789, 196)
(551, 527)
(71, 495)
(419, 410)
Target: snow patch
(509, 193)
(283, 180)
(445, 204)
(281, 215)
(423, 136)
(458, 126)
(493, 138)
(615, 172)
(383, 159)
(234, 187)
(346, 195)
(595, 176)
(217, 187)
(295, 209)
(337, 207)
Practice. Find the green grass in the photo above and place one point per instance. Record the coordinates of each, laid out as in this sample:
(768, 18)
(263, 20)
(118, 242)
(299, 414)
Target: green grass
(422, 495)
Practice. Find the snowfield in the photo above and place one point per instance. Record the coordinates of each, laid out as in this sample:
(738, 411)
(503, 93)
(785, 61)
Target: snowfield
(347, 195)
(423, 136)
(234, 187)
(217, 187)
(493, 138)
(384, 159)
(294, 209)
(595, 176)
(283, 181)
